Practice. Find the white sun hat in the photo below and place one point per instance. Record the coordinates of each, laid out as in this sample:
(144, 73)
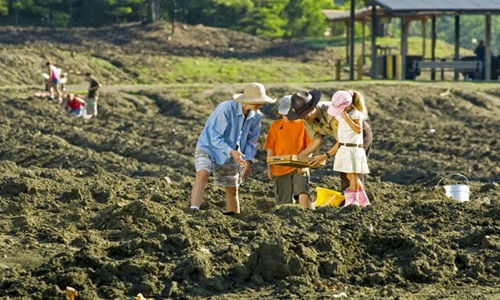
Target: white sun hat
(253, 93)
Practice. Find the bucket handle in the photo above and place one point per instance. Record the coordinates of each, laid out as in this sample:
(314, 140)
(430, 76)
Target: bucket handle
(454, 174)
(329, 200)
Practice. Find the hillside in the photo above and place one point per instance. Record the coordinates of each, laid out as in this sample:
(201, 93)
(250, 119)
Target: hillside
(100, 204)
(150, 54)
(138, 53)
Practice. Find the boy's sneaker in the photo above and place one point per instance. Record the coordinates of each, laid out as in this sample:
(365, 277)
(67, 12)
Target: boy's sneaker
(191, 211)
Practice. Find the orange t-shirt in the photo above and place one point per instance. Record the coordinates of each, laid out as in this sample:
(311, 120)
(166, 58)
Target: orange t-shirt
(286, 138)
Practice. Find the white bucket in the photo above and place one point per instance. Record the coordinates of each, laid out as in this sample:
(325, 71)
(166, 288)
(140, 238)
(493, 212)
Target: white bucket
(458, 192)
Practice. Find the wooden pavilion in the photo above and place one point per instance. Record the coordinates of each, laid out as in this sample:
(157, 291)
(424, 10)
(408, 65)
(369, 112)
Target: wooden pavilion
(421, 10)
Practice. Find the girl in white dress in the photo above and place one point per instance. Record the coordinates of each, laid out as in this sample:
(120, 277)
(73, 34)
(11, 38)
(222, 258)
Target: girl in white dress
(350, 110)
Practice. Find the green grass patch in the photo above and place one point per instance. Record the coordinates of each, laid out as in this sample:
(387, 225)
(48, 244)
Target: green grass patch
(325, 42)
(214, 70)
(415, 45)
(99, 63)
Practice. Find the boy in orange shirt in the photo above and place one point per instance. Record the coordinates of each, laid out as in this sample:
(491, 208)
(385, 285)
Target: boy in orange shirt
(287, 137)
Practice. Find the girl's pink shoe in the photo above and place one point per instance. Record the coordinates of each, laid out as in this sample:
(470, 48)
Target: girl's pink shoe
(350, 198)
(362, 198)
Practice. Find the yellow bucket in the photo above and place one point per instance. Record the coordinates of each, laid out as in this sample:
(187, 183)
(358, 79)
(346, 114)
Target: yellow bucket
(326, 197)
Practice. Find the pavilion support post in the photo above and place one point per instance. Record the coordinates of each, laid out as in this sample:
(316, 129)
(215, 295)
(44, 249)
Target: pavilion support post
(351, 40)
(424, 37)
(487, 53)
(347, 34)
(457, 43)
(404, 46)
(373, 57)
(363, 46)
(433, 44)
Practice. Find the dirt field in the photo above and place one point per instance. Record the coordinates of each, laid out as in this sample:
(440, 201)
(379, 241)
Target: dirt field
(100, 204)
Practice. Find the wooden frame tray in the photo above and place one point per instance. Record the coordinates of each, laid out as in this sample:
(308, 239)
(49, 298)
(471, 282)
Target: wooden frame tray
(292, 161)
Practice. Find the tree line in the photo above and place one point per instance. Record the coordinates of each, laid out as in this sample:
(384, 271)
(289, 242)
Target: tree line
(266, 18)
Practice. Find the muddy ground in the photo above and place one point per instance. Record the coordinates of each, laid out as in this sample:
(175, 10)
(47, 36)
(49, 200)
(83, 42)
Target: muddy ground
(86, 203)
(100, 204)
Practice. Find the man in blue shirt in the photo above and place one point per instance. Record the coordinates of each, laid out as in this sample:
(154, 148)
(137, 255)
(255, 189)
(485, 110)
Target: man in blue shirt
(228, 144)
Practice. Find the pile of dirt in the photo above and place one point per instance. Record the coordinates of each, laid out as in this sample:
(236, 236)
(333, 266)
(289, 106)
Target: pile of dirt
(100, 204)
(157, 38)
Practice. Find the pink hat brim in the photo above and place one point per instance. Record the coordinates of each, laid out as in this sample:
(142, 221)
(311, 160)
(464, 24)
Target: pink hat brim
(337, 111)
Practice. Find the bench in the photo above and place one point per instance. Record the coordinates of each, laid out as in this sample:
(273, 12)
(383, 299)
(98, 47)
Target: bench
(456, 65)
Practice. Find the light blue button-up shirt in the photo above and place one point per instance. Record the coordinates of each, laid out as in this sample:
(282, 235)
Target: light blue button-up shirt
(226, 129)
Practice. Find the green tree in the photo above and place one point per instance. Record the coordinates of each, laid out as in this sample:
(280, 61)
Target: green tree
(286, 18)
(4, 8)
(153, 10)
(266, 18)
(128, 10)
(39, 12)
(305, 17)
(234, 11)
(18, 6)
(216, 13)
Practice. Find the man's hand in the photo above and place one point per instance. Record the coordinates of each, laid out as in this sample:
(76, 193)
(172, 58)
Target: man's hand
(302, 171)
(316, 160)
(238, 158)
(247, 170)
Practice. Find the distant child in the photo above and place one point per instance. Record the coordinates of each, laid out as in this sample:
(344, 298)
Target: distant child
(54, 80)
(63, 80)
(92, 95)
(73, 105)
(287, 137)
(350, 110)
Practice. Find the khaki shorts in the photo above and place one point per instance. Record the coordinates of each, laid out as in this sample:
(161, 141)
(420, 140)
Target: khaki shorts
(226, 175)
(92, 106)
(288, 187)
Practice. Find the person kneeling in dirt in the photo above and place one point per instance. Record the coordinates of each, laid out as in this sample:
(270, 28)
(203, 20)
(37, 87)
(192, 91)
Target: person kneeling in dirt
(92, 95)
(73, 105)
(287, 137)
(228, 144)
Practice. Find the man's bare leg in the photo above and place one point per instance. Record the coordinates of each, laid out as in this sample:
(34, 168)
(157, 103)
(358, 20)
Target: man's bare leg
(198, 191)
(232, 200)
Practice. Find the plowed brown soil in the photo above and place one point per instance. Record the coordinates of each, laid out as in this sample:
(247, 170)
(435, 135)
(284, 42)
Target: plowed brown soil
(100, 204)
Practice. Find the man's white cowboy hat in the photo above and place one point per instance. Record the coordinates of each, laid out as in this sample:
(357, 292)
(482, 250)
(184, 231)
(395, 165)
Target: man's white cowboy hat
(253, 93)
